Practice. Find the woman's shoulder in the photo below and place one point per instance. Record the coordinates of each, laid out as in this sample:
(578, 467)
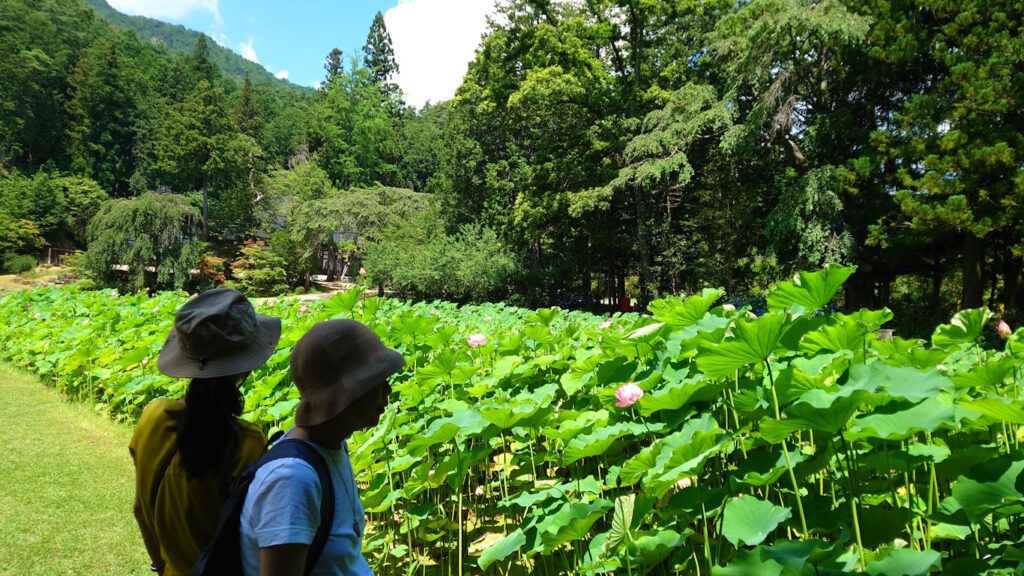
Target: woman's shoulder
(156, 410)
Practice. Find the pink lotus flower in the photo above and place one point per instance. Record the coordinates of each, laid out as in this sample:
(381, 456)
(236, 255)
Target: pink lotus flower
(271, 304)
(1004, 329)
(113, 293)
(628, 394)
(606, 324)
(303, 309)
(28, 304)
(156, 309)
(362, 271)
(194, 294)
(36, 315)
(475, 340)
(144, 362)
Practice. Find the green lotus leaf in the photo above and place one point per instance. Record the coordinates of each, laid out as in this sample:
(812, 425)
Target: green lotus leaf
(752, 342)
(569, 522)
(964, 328)
(839, 334)
(442, 367)
(809, 291)
(587, 421)
(897, 422)
(544, 316)
(899, 382)
(580, 372)
(505, 415)
(988, 487)
(880, 525)
(986, 376)
(654, 458)
(651, 548)
(538, 333)
(502, 549)
(998, 409)
(765, 468)
(687, 461)
(468, 421)
(616, 370)
(906, 562)
(750, 563)
(597, 442)
(791, 554)
(646, 333)
(901, 352)
(341, 304)
(677, 313)
(674, 395)
(505, 365)
(818, 410)
(622, 519)
(749, 520)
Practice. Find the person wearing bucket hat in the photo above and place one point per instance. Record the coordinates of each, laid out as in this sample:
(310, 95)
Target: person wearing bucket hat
(188, 451)
(341, 369)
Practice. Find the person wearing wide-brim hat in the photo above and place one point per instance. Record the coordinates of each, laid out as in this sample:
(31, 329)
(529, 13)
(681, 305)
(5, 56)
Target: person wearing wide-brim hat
(341, 369)
(188, 451)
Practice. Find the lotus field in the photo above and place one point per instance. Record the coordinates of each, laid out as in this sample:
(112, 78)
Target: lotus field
(700, 439)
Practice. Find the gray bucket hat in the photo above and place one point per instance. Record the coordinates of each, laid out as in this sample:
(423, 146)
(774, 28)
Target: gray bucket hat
(218, 333)
(334, 363)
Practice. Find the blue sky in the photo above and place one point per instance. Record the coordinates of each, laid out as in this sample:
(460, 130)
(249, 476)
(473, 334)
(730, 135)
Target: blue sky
(433, 39)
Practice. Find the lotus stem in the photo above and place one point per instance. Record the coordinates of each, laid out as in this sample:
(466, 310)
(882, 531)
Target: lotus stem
(785, 452)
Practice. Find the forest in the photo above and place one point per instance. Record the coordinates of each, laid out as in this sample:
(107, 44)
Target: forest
(596, 150)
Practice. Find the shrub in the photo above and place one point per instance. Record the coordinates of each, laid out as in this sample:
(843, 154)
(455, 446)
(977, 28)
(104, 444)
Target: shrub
(258, 271)
(18, 263)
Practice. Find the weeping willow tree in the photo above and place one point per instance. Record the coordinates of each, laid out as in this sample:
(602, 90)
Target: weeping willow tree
(152, 234)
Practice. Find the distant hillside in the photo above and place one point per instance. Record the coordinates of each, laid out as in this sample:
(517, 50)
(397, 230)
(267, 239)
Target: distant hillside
(177, 38)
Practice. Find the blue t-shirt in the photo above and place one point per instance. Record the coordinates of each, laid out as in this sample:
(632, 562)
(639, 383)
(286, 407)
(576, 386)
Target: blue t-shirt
(283, 507)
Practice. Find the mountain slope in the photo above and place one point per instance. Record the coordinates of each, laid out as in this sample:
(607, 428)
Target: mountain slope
(177, 38)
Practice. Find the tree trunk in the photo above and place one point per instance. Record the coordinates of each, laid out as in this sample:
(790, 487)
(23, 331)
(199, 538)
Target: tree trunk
(587, 294)
(205, 221)
(1013, 283)
(937, 276)
(973, 278)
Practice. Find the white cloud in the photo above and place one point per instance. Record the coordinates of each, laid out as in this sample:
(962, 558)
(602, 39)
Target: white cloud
(220, 38)
(434, 41)
(173, 9)
(247, 51)
(282, 75)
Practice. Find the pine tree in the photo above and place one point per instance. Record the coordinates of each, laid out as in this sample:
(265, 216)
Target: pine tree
(379, 58)
(333, 65)
(248, 116)
(200, 63)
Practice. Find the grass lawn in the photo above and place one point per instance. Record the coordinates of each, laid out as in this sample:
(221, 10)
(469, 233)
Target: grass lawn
(66, 486)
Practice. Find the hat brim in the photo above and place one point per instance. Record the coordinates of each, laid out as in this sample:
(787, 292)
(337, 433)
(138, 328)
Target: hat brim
(174, 363)
(326, 403)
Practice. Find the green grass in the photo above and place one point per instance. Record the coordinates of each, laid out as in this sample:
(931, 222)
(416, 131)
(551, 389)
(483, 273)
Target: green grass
(66, 486)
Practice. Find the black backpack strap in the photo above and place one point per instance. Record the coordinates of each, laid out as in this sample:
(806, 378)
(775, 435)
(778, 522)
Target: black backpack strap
(293, 448)
(159, 478)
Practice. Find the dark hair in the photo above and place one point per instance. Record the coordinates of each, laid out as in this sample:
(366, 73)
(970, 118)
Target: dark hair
(206, 428)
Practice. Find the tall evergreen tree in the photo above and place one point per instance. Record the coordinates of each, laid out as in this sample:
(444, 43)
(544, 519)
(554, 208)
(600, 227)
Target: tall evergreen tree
(379, 59)
(333, 65)
(248, 116)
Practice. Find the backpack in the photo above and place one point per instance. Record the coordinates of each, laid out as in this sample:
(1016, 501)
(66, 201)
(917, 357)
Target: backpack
(223, 557)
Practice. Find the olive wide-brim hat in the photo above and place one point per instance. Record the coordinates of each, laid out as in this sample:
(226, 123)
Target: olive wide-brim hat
(333, 364)
(218, 333)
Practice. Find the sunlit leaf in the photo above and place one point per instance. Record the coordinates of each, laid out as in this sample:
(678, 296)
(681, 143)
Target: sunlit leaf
(809, 291)
(748, 520)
